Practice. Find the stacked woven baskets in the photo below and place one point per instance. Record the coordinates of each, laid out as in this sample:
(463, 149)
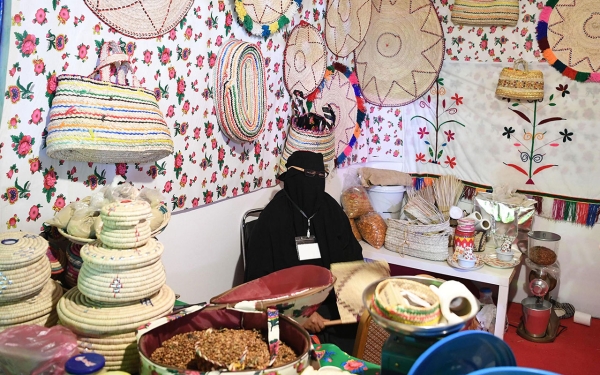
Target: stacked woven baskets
(120, 286)
(27, 294)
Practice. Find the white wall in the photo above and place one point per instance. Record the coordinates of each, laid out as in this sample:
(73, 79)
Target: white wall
(202, 251)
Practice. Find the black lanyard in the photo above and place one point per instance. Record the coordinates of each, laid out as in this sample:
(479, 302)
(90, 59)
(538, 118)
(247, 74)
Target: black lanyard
(302, 212)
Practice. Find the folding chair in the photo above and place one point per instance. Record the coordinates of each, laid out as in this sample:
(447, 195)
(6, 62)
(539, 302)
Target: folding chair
(248, 222)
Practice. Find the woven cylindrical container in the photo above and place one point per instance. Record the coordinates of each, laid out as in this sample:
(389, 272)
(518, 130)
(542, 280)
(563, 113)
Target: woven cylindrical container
(399, 299)
(24, 311)
(87, 317)
(422, 241)
(102, 258)
(306, 140)
(120, 351)
(125, 238)
(121, 286)
(22, 283)
(20, 249)
(125, 214)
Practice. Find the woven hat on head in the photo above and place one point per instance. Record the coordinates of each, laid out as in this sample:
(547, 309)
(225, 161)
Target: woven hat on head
(240, 95)
(346, 24)
(340, 90)
(568, 35)
(401, 56)
(20, 249)
(141, 19)
(305, 59)
(265, 17)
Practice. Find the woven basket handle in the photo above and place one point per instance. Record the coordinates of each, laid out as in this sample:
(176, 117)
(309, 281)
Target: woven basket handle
(521, 62)
(110, 54)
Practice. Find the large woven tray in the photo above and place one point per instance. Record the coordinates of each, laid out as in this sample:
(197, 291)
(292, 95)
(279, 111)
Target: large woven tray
(421, 241)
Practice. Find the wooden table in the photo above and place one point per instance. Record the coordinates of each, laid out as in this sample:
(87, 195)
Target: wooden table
(487, 274)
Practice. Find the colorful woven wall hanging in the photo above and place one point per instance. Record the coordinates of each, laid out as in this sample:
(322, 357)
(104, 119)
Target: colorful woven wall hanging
(141, 19)
(340, 89)
(265, 17)
(240, 95)
(305, 59)
(346, 24)
(402, 52)
(569, 38)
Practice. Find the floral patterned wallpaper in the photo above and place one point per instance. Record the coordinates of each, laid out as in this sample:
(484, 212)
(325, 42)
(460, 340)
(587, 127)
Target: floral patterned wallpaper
(52, 37)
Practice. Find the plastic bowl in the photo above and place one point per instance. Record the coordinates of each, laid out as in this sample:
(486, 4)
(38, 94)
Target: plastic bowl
(466, 263)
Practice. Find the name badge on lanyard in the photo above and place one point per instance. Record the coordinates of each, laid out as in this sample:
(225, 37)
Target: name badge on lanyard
(307, 248)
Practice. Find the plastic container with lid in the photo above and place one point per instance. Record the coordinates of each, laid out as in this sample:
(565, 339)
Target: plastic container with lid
(89, 364)
(485, 296)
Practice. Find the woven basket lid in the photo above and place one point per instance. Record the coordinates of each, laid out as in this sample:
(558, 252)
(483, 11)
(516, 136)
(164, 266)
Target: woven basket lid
(141, 19)
(340, 89)
(126, 212)
(265, 17)
(305, 59)
(240, 90)
(48, 320)
(32, 308)
(402, 53)
(352, 279)
(104, 258)
(19, 249)
(125, 238)
(121, 286)
(346, 23)
(85, 316)
(21, 283)
(568, 35)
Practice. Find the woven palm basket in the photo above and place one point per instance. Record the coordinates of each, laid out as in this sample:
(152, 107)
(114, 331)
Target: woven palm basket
(48, 320)
(120, 351)
(20, 249)
(421, 241)
(102, 258)
(126, 238)
(87, 317)
(24, 311)
(304, 59)
(346, 24)
(306, 140)
(389, 301)
(22, 283)
(121, 286)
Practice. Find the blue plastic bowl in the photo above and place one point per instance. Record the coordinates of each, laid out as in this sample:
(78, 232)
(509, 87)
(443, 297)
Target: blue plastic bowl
(462, 353)
(508, 370)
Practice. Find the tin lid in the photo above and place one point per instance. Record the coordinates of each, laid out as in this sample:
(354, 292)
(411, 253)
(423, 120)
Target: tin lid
(544, 236)
(85, 363)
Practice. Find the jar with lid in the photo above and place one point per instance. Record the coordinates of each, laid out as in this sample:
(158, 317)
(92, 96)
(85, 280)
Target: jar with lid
(88, 364)
(485, 296)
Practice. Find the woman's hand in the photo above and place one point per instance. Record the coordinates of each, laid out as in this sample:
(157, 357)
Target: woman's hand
(315, 323)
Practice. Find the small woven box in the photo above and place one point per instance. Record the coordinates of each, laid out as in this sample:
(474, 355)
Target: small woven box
(515, 83)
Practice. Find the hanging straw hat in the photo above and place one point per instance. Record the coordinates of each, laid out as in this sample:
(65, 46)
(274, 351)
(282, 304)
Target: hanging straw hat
(265, 17)
(41, 304)
(240, 96)
(20, 249)
(339, 89)
(121, 286)
(305, 59)
(141, 19)
(87, 317)
(346, 24)
(21, 283)
(568, 38)
(402, 54)
(102, 258)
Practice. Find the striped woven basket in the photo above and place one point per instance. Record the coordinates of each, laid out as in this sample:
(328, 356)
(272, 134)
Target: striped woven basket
(421, 241)
(104, 122)
(485, 12)
(518, 83)
(306, 140)
(390, 302)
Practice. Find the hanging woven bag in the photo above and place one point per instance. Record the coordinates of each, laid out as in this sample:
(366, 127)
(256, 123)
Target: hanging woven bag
(515, 83)
(103, 122)
(485, 12)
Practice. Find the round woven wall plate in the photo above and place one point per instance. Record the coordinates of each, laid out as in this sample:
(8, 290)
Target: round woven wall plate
(141, 19)
(265, 17)
(305, 59)
(402, 53)
(340, 89)
(568, 34)
(346, 24)
(240, 94)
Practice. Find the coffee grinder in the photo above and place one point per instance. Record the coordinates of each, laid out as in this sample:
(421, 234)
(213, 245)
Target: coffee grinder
(539, 322)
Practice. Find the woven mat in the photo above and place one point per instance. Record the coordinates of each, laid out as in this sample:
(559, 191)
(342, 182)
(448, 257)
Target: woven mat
(569, 35)
(265, 17)
(141, 19)
(240, 90)
(339, 89)
(352, 279)
(305, 59)
(346, 24)
(402, 53)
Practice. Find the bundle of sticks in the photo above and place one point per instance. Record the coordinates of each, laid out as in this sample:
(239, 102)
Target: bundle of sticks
(448, 190)
(419, 209)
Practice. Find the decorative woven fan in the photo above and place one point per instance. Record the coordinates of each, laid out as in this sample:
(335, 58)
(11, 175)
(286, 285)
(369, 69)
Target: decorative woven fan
(141, 19)
(346, 24)
(305, 59)
(340, 89)
(568, 35)
(401, 56)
